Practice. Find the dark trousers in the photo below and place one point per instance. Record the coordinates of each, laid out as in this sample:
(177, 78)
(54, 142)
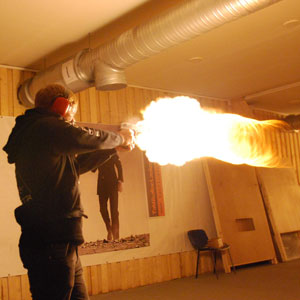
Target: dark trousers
(54, 271)
(112, 224)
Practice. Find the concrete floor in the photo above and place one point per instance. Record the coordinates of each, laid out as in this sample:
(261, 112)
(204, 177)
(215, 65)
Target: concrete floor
(253, 282)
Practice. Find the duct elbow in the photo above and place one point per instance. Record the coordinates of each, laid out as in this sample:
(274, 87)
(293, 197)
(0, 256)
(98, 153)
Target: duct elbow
(23, 94)
(108, 78)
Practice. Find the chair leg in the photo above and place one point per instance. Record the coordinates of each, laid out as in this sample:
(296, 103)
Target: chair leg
(198, 256)
(214, 259)
(233, 267)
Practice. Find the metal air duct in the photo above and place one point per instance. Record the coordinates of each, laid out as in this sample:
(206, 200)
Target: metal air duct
(103, 67)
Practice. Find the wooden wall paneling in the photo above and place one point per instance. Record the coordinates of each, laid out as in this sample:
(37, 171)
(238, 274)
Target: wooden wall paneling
(26, 295)
(288, 147)
(284, 147)
(121, 105)
(95, 289)
(166, 268)
(137, 273)
(150, 261)
(278, 144)
(148, 267)
(138, 103)
(105, 278)
(14, 287)
(293, 155)
(10, 92)
(109, 277)
(158, 276)
(175, 265)
(297, 137)
(84, 107)
(273, 142)
(120, 275)
(188, 261)
(4, 92)
(98, 106)
(157, 95)
(116, 276)
(99, 277)
(92, 95)
(113, 107)
(87, 278)
(143, 271)
(130, 274)
(296, 152)
(4, 295)
(129, 100)
(124, 277)
(97, 286)
(16, 79)
(104, 107)
(148, 97)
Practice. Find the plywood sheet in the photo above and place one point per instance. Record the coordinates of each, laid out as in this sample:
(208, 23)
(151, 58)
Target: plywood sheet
(239, 211)
(281, 191)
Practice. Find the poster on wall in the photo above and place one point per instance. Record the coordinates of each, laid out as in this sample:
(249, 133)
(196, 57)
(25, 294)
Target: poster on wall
(155, 193)
(117, 220)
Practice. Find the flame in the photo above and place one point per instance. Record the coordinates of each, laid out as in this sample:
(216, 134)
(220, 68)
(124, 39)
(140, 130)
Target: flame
(177, 130)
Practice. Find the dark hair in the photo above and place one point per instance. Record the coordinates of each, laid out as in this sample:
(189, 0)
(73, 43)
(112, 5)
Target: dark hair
(46, 96)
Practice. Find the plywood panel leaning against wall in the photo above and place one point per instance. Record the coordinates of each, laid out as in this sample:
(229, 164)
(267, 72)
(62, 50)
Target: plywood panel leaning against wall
(239, 211)
(281, 194)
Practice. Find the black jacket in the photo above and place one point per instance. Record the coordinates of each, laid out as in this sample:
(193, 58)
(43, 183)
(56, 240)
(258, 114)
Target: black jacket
(109, 174)
(49, 154)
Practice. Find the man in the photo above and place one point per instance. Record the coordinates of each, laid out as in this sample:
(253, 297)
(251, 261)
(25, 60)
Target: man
(49, 153)
(110, 179)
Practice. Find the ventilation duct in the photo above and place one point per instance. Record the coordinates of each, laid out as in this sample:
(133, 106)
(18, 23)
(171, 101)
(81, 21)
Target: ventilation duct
(293, 121)
(103, 67)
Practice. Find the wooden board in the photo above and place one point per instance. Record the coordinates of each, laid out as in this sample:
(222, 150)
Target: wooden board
(239, 211)
(281, 194)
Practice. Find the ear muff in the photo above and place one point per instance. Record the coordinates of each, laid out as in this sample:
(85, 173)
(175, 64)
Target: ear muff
(60, 106)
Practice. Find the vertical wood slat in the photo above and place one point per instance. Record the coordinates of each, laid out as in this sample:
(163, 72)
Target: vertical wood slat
(14, 287)
(129, 100)
(84, 107)
(87, 279)
(4, 289)
(4, 111)
(121, 105)
(95, 280)
(10, 92)
(104, 108)
(113, 108)
(26, 295)
(93, 105)
(16, 78)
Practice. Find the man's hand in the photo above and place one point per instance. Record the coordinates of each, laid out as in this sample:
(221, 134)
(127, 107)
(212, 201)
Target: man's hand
(129, 140)
(120, 186)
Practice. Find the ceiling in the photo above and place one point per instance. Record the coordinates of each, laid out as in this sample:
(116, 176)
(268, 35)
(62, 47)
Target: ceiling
(255, 58)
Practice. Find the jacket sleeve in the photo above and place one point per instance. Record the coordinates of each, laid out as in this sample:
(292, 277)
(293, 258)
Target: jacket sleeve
(119, 168)
(68, 139)
(91, 161)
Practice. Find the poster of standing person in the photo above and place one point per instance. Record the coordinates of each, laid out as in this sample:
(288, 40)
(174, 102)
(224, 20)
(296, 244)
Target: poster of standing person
(117, 214)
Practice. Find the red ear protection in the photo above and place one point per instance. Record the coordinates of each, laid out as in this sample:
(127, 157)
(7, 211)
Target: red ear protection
(60, 106)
